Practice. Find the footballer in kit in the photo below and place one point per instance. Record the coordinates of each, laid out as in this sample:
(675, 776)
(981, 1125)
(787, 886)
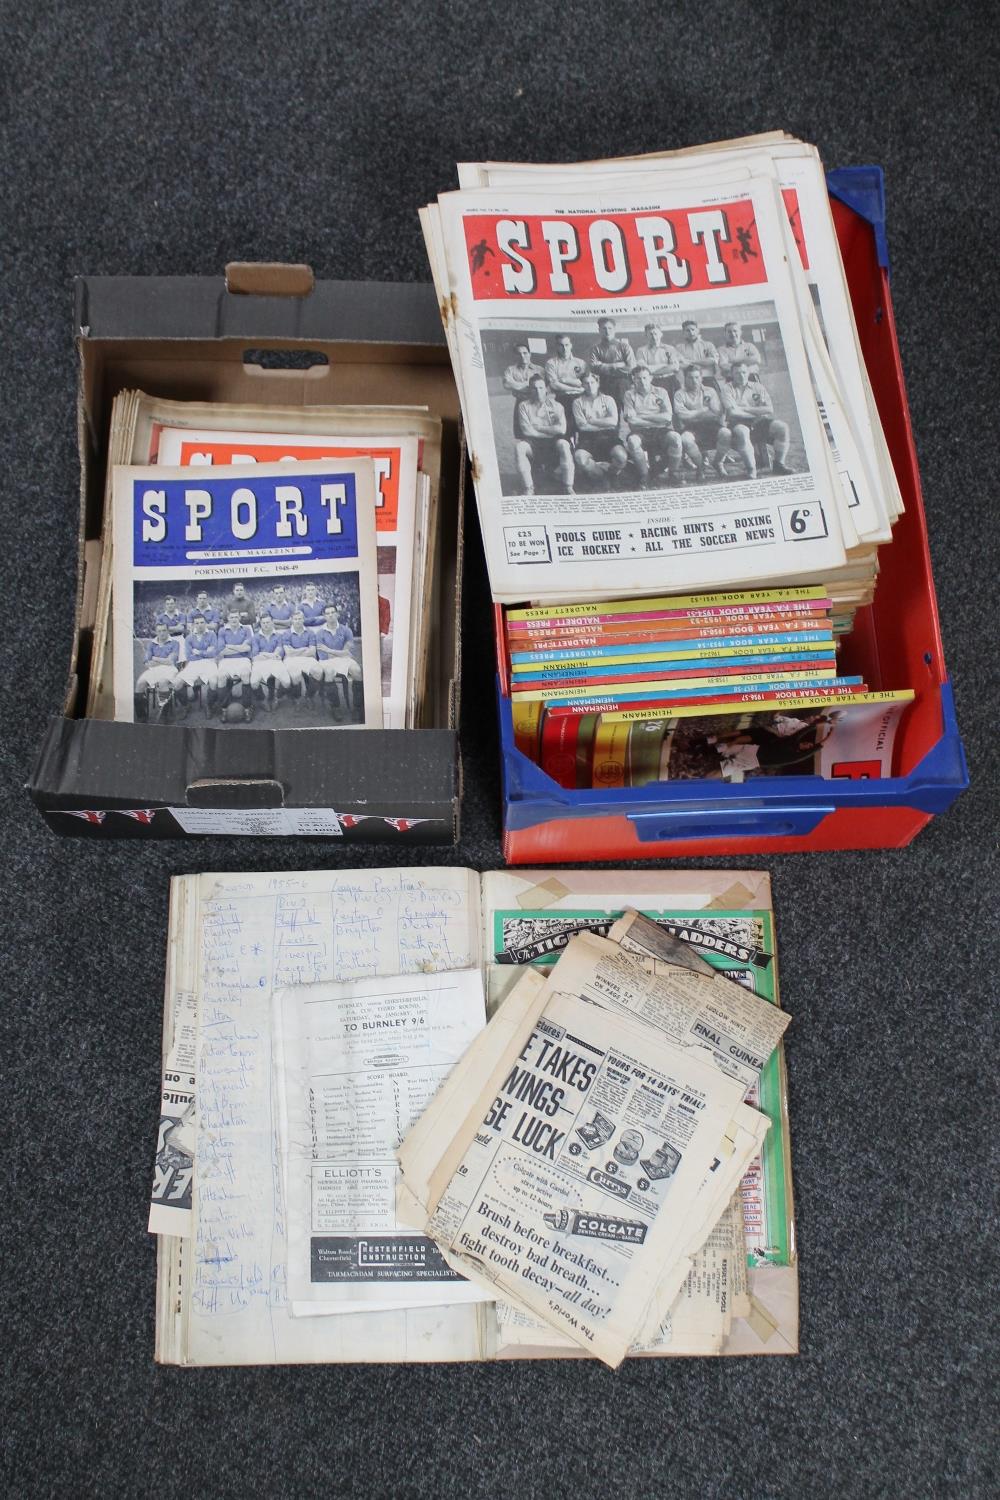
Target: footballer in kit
(200, 672)
(660, 358)
(340, 673)
(208, 612)
(613, 358)
(600, 454)
(694, 350)
(752, 423)
(653, 445)
(280, 607)
(268, 673)
(541, 441)
(240, 601)
(312, 606)
(518, 376)
(235, 642)
(300, 656)
(699, 415)
(736, 347)
(153, 690)
(564, 374)
(172, 616)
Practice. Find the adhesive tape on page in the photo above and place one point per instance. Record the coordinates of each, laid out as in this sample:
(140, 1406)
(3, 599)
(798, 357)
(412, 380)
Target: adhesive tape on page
(543, 894)
(760, 1320)
(735, 897)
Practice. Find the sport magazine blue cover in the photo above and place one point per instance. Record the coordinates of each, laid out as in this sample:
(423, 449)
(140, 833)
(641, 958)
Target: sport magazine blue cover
(247, 596)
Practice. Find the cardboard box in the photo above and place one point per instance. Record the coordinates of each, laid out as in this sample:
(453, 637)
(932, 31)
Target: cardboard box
(895, 643)
(233, 340)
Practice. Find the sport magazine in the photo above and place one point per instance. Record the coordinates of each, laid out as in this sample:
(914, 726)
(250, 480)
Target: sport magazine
(247, 596)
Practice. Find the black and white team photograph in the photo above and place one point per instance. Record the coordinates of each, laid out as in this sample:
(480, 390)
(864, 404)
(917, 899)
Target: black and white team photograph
(636, 403)
(274, 653)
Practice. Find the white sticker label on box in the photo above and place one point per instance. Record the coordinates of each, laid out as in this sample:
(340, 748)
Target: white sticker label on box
(261, 822)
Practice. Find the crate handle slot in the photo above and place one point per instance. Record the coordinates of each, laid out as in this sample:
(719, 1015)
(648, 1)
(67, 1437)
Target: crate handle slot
(710, 823)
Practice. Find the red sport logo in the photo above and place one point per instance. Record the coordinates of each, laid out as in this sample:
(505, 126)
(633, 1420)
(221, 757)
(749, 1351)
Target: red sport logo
(621, 255)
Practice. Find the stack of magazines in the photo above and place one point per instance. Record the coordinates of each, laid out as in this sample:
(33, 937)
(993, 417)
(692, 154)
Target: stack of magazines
(717, 686)
(661, 377)
(265, 566)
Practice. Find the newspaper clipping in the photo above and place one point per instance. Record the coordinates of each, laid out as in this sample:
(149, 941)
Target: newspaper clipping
(590, 1168)
(541, 1206)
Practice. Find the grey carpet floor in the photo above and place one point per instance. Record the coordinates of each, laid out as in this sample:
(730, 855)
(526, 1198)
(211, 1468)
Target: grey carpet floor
(169, 138)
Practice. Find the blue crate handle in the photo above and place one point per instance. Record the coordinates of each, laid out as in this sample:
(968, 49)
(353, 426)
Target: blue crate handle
(711, 823)
(863, 189)
(657, 810)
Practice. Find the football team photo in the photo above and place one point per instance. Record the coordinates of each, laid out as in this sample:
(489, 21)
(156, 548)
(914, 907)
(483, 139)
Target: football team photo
(637, 403)
(274, 653)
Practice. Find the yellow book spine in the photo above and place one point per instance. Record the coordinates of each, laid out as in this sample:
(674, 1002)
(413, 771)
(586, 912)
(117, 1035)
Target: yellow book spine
(669, 602)
(778, 706)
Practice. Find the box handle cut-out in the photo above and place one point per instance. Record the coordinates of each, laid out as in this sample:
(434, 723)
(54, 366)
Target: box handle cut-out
(307, 363)
(247, 792)
(251, 278)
